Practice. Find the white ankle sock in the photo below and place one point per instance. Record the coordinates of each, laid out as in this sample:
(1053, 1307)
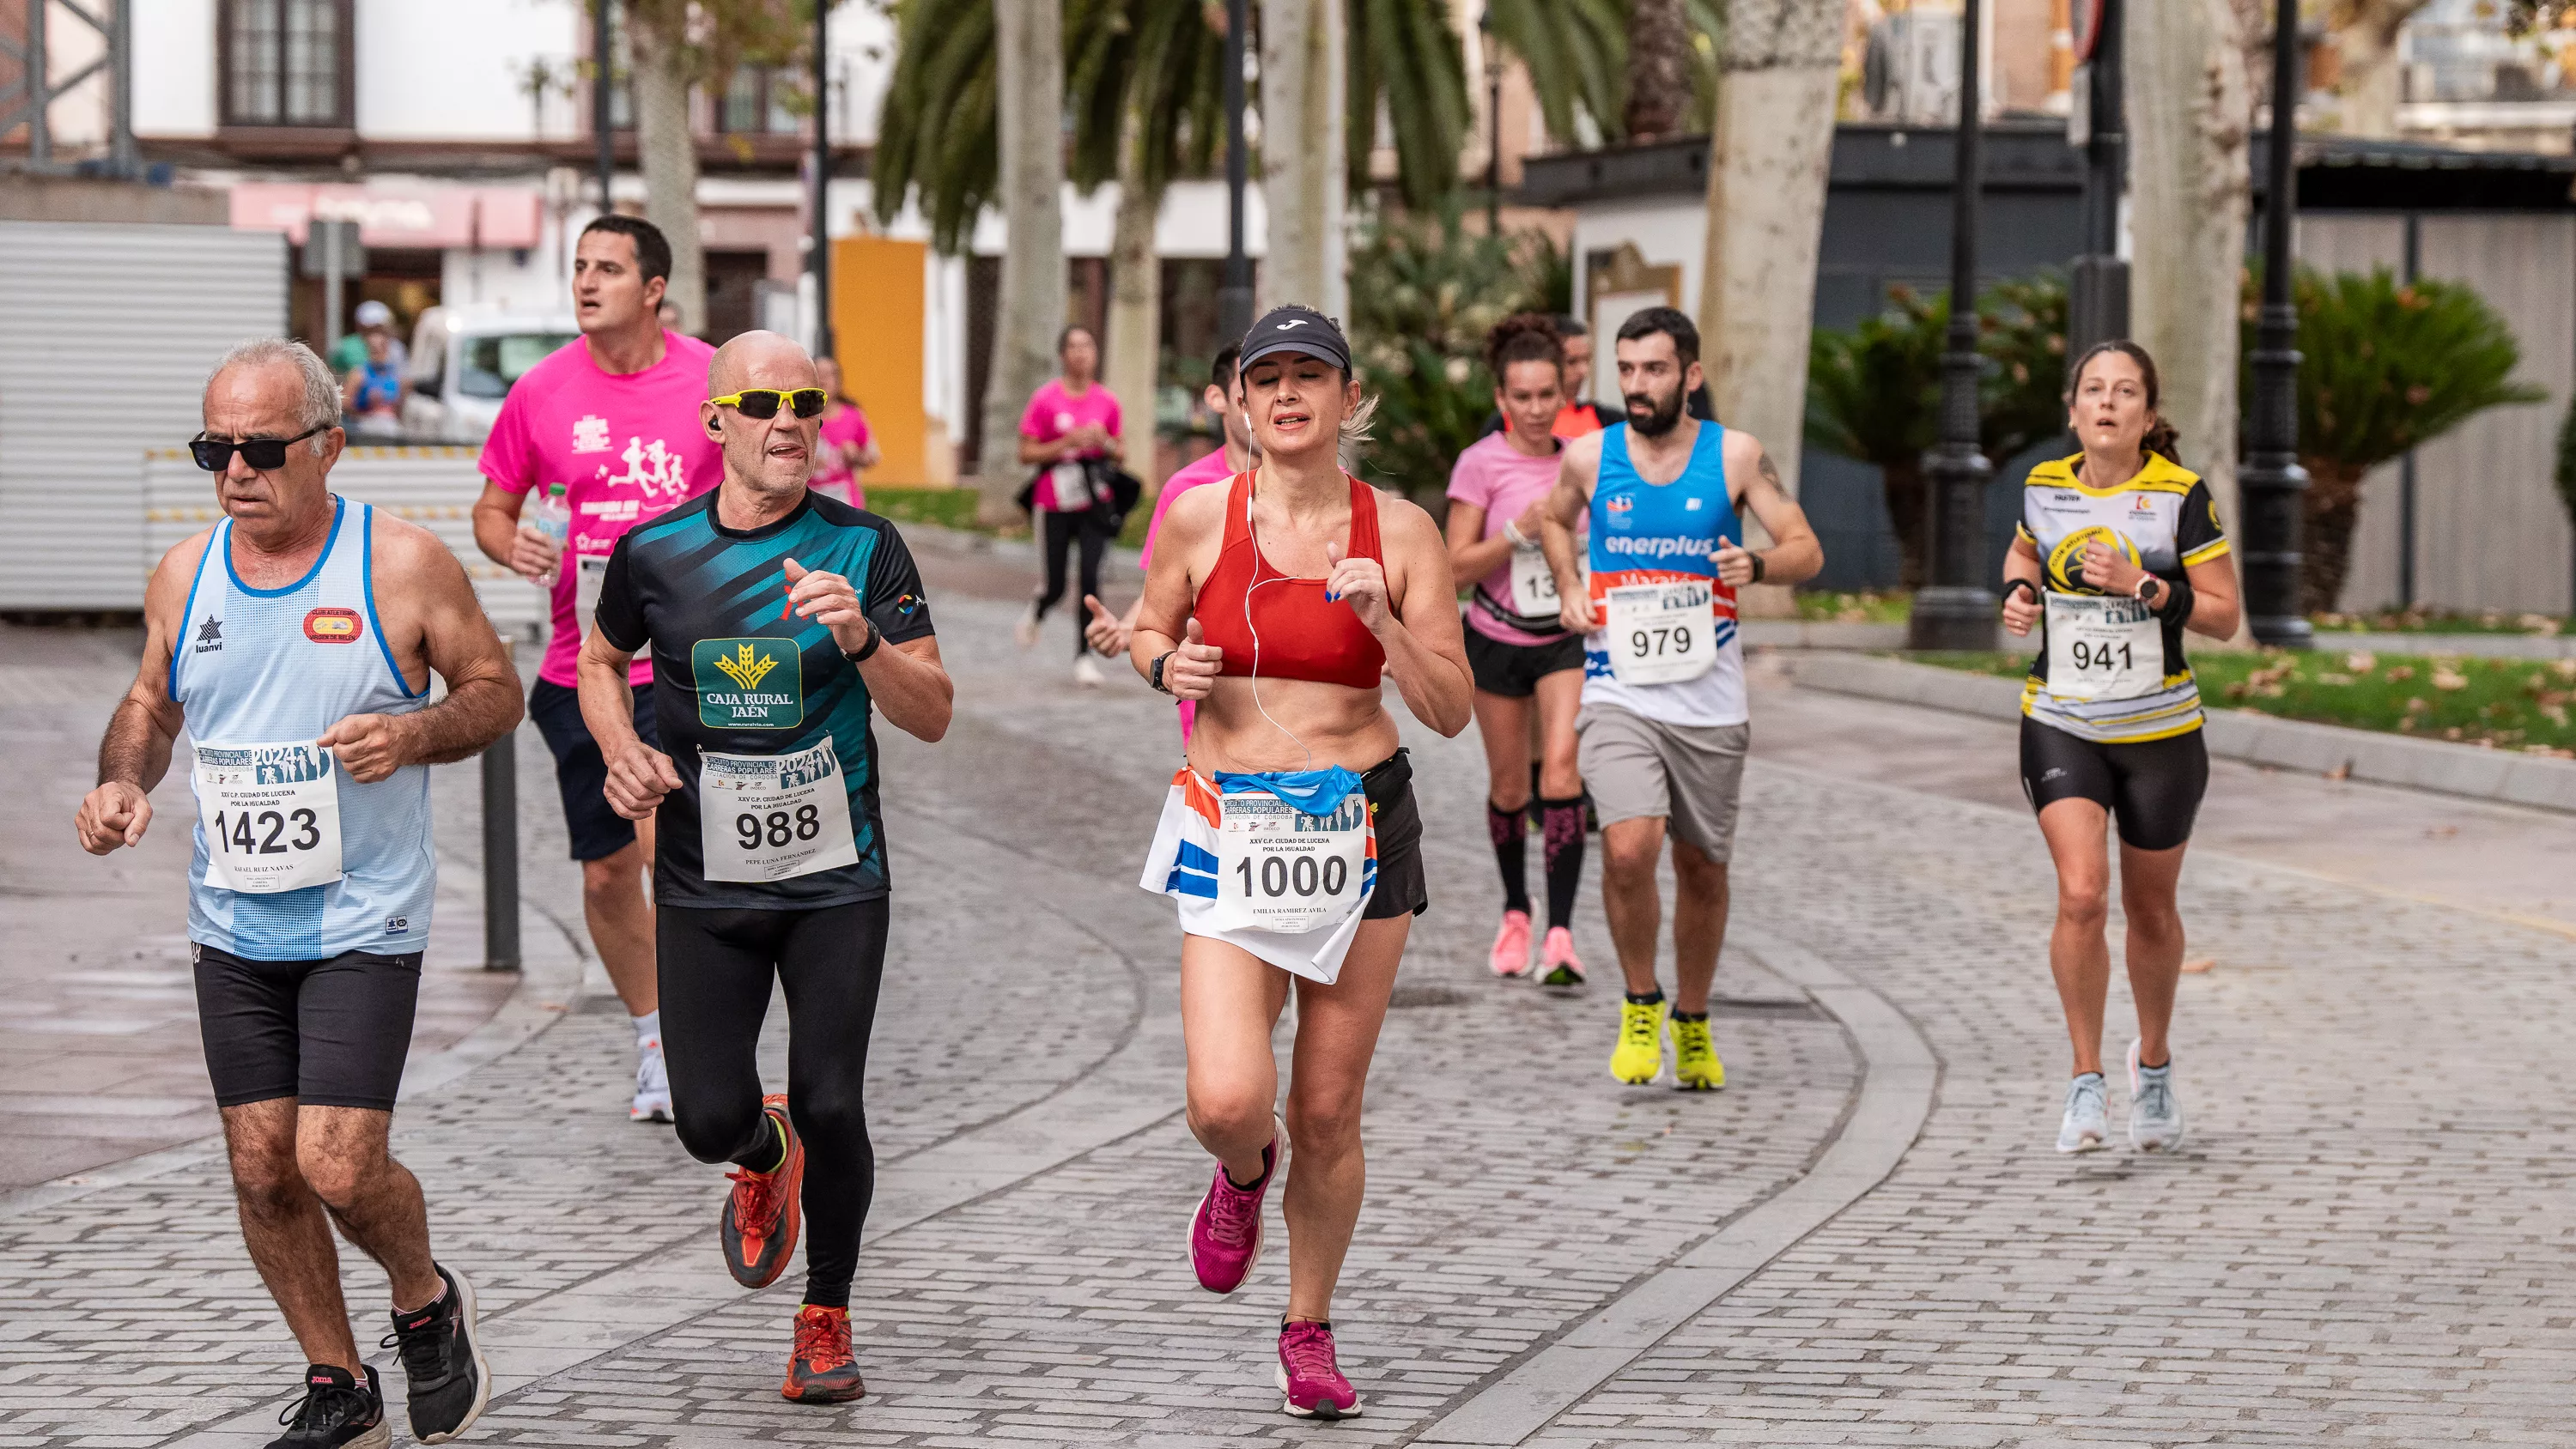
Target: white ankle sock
(648, 1028)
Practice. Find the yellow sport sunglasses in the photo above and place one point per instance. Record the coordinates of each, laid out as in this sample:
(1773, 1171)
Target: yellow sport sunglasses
(762, 402)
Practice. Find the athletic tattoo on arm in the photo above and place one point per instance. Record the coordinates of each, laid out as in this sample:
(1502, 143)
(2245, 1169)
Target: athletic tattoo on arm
(1770, 471)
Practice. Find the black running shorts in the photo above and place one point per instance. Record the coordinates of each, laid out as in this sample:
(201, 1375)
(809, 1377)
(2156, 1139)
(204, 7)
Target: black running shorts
(581, 771)
(328, 1033)
(1402, 888)
(2152, 787)
(1514, 670)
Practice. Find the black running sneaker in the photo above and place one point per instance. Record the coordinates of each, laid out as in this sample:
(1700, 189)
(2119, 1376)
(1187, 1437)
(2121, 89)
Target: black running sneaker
(449, 1380)
(337, 1413)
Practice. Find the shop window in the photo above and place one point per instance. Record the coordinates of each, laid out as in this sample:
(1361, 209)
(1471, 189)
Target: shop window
(286, 62)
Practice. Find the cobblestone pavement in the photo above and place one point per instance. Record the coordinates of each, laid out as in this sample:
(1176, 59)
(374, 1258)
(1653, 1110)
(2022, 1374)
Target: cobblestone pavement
(2356, 1244)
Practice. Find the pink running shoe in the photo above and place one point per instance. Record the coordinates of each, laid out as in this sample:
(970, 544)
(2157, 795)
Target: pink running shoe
(1309, 1377)
(1511, 945)
(1225, 1233)
(1558, 965)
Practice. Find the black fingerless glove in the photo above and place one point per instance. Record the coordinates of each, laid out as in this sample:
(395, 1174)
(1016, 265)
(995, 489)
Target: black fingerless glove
(2176, 608)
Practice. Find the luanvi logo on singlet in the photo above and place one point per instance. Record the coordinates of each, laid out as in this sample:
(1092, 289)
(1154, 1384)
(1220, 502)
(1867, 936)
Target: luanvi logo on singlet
(748, 684)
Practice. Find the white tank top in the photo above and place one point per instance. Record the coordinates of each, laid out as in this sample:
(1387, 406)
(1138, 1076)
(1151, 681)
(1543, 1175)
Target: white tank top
(280, 666)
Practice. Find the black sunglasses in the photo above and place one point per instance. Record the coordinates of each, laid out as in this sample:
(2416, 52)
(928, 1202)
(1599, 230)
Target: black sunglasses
(265, 454)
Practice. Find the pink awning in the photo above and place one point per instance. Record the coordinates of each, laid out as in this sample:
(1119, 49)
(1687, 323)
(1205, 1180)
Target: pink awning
(431, 217)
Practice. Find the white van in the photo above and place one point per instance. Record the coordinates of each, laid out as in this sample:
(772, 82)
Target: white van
(462, 365)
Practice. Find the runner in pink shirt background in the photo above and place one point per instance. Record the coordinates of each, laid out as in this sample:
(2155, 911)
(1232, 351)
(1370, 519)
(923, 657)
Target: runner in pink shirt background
(613, 417)
(1108, 633)
(1524, 662)
(1070, 420)
(848, 447)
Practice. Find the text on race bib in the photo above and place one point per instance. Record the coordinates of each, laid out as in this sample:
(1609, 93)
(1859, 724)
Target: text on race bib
(2103, 647)
(748, 684)
(269, 816)
(774, 817)
(1661, 633)
(1281, 869)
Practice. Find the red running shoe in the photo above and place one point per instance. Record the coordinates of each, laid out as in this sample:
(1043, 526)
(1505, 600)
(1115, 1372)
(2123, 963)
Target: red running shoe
(821, 1371)
(1225, 1233)
(762, 1213)
(1309, 1376)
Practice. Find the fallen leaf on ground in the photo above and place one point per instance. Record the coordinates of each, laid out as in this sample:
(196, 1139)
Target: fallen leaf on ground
(2449, 679)
(2401, 671)
(2340, 772)
(2361, 661)
(2443, 832)
(2197, 966)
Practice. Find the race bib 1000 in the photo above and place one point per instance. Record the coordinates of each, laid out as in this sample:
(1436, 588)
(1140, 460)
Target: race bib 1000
(270, 815)
(748, 684)
(2103, 647)
(1281, 869)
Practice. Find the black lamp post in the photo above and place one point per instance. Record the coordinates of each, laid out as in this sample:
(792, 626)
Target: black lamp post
(1493, 124)
(1234, 299)
(1956, 610)
(818, 256)
(2273, 485)
(2098, 289)
(603, 81)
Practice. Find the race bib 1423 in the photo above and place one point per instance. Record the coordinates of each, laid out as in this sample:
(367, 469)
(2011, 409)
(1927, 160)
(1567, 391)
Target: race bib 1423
(270, 815)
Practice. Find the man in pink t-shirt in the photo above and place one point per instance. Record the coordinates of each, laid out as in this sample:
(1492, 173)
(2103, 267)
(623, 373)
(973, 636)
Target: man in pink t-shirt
(613, 417)
(1107, 632)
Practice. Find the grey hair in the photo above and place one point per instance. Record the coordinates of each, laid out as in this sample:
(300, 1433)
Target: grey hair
(321, 408)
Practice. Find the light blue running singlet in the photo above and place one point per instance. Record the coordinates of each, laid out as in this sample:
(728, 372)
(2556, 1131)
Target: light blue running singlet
(278, 667)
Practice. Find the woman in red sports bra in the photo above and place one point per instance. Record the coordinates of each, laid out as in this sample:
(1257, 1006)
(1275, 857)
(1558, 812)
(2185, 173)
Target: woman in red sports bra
(1280, 603)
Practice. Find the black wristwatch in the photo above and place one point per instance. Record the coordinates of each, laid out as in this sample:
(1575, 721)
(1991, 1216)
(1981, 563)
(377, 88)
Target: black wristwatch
(1154, 672)
(2022, 584)
(1758, 569)
(867, 651)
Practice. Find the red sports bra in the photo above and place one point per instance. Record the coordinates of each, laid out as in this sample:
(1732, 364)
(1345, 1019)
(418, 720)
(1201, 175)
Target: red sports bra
(1303, 635)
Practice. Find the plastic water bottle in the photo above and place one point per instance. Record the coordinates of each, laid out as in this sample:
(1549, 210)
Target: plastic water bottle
(553, 521)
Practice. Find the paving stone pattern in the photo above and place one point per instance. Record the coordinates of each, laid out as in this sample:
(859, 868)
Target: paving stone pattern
(2365, 1240)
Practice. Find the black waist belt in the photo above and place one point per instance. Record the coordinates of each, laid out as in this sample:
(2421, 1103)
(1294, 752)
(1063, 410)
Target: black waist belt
(1526, 623)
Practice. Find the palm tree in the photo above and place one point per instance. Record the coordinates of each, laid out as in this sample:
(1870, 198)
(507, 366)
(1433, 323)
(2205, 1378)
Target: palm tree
(1405, 56)
(1576, 52)
(1029, 70)
(678, 46)
(1659, 68)
(2386, 367)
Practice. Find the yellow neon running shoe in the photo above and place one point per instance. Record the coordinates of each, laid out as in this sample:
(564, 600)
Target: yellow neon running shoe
(1695, 1064)
(1639, 1057)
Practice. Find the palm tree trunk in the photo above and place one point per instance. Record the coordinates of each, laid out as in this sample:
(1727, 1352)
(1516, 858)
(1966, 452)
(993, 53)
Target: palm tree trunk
(1135, 303)
(1901, 484)
(669, 147)
(1659, 70)
(2333, 503)
(1029, 55)
(1768, 161)
(2190, 116)
(1302, 100)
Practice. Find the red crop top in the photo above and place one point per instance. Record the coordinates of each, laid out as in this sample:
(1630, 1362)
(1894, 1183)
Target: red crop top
(1303, 635)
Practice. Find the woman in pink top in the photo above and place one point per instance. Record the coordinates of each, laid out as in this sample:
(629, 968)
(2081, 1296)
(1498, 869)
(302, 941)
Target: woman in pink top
(1071, 421)
(849, 449)
(1523, 659)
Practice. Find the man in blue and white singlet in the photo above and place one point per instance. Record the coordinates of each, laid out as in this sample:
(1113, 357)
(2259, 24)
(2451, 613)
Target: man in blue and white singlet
(1664, 728)
(294, 642)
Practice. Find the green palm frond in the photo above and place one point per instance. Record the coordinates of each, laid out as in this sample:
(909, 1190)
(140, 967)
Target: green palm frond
(1158, 59)
(2385, 366)
(939, 131)
(1576, 52)
(1403, 55)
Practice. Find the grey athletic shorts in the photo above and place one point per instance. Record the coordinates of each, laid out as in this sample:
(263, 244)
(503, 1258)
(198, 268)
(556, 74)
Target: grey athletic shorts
(1688, 774)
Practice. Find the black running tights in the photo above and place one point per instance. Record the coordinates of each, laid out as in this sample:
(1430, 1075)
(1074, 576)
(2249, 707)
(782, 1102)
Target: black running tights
(1063, 530)
(716, 970)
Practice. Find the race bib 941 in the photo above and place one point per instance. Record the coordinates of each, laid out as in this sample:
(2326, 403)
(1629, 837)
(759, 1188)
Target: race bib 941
(748, 684)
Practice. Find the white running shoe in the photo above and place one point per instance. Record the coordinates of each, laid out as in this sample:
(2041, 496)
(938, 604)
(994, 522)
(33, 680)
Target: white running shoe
(2155, 1114)
(652, 1084)
(1025, 632)
(2086, 1126)
(1087, 674)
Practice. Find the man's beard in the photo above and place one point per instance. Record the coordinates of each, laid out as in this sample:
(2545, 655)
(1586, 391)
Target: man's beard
(1664, 415)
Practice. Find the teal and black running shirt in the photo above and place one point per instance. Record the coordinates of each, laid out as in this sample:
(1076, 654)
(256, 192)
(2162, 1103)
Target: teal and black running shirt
(735, 673)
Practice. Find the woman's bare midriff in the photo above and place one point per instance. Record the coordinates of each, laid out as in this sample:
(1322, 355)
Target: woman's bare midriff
(1340, 725)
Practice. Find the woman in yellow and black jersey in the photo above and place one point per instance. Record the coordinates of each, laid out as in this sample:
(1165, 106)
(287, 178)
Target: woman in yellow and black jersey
(2119, 551)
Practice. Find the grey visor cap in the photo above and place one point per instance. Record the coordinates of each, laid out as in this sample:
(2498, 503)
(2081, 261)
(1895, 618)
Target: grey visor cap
(1301, 330)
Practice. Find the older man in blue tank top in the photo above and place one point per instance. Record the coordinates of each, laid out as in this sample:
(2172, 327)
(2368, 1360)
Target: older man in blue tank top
(295, 642)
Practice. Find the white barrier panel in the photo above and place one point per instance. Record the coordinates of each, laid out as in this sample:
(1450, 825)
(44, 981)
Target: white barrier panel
(434, 487)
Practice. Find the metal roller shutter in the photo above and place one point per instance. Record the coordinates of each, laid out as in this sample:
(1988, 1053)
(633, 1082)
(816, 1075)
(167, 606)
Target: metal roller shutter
(106, 336)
